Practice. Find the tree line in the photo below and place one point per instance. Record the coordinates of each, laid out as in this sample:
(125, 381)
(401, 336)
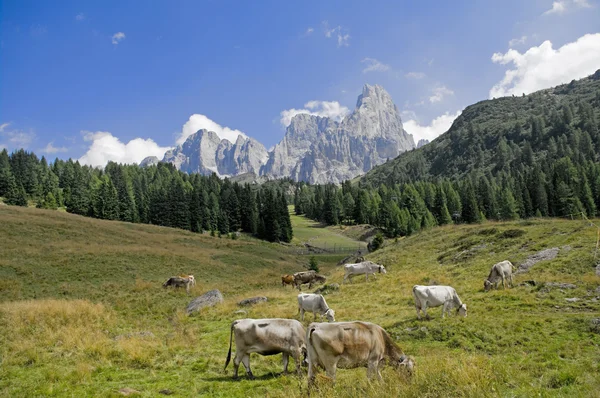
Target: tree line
(159, 195)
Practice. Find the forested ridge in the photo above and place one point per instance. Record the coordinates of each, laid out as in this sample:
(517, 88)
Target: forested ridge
(158, 195)
(502, 159)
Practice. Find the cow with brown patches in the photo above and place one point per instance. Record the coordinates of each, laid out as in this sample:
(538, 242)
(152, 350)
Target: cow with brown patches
(310, 277)
(350, 345)
(186, 281)
(266, 337)
(287, 280)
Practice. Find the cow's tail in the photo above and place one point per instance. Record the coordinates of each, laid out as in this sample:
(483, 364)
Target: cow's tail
(230, 340)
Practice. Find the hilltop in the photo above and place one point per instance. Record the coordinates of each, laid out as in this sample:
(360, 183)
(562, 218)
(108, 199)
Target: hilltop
(82, 311)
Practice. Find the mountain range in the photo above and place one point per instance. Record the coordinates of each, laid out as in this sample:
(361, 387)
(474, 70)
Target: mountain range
(314, 149)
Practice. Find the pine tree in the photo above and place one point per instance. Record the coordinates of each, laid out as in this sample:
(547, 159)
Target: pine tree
(441, 213)
(15, 194)
(470, 210)
(508, 205)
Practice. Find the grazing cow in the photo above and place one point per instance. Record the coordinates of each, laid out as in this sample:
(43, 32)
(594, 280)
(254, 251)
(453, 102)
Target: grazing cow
(351, 345)
(434, 296)
(316, 304)
(287, 280)
(366, 267)
(309, 277)
(500, 272)
(181, 281)
(266, 337)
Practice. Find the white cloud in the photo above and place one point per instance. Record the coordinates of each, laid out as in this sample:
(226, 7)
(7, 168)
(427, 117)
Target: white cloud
(117, 37)
(330, 109)
(415, 75)
(80, 17)
(439, 92)
(197, 122)
(561, 6)
(2, 146)
(17, 138)
(543, 67)
(105, 147)
(309, 31)
(50, 149)
(514, 42)
(374, 65)
(343, 38)
(438, 126)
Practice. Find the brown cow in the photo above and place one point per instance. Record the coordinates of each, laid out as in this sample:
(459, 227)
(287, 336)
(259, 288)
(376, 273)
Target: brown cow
(181, 281)
(350, 345)
(309, 277)
(287, 279)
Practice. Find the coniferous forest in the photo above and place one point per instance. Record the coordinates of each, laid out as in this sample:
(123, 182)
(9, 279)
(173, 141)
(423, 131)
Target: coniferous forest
(502, 159)
(158, 195)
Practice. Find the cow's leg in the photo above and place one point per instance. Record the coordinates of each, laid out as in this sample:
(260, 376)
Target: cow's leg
(236, 363)
(246, 362)
(373, 369)
(510, 279)
(297, 355)
(424, 309)
(286, 360)
(444, 309)
(367, 277)
(418, 308)
(302, 314)
(503, 282)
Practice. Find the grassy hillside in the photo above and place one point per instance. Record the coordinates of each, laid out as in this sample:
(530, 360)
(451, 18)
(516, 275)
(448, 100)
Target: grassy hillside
(82, 312)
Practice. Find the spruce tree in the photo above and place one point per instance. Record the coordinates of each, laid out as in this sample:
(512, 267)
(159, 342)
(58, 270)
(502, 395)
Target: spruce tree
(508, 205)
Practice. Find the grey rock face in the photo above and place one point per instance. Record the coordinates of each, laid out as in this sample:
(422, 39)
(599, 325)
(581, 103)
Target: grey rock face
(422, 142)
(314, 149)
(204, 152)
(149, 161)
(320, 150)
(208, 299)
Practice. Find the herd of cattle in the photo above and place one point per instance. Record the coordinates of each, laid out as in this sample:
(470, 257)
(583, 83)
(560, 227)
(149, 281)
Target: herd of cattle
(336, 344)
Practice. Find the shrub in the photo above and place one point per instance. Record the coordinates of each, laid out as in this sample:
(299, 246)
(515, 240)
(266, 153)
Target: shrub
(377, 242)
(313, 265)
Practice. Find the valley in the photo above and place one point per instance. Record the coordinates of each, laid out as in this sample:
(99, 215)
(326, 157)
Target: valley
(83, 313)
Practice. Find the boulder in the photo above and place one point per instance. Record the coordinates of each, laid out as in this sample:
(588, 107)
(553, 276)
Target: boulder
(253, 300)
(560, 285)
(595, 325)
(547, 254)
(326, 289)
(208, 299)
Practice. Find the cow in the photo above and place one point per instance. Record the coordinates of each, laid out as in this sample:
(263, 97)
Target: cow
(181, 281)
(435, 296)
(266, 337)
(316, 304)
(351, 345)
(501, 271)
(366, 267)
(287, 280)
(309, 277)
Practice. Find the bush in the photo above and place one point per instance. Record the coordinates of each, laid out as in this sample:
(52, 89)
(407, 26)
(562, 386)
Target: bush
(512, 233)
(377, 242)
(313, 265)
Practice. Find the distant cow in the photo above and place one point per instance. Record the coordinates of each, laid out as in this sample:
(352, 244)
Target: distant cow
(310, 277)
(350, 345)
(499, 272)
(366, 268)
(287, 280)
(435, 296)
(316, 304)
(181, 281)
(266, 337)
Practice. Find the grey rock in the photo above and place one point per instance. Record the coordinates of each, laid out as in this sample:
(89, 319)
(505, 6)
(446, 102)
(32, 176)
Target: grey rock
(572, 299)
(328, 288)
(560, 285)
(598, 270)
(241, 312)
(595, 325)
(422, 142)
(149, 161)
(253, 300)
(208, 299)
(126, 391)
(547, 254)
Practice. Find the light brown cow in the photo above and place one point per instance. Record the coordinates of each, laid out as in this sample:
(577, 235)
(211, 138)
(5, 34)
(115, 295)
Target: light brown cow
(310, 277)
(266, 337)
(499, 272)
(351, 345)
(287, 279)
(186, 281)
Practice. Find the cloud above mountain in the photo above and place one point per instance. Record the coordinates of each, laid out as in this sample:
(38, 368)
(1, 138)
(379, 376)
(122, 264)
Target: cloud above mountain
(543, 66)
(105, 147)
(438, 126)
(198, 122)
(331, 109)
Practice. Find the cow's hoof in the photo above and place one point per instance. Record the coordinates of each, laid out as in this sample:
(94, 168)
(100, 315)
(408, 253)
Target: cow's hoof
(251, 377)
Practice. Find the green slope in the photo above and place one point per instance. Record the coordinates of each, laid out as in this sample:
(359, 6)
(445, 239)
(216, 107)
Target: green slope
(71, 287)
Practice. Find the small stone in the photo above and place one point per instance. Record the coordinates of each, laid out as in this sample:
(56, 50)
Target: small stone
(572, 299)
(241, 312)
(253, 300)
(126, 391)
(166, 391)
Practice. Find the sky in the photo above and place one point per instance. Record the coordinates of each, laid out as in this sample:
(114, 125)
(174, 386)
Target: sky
(122, 80)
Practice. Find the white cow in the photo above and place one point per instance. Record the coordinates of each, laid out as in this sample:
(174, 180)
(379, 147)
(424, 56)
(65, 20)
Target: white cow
(366, 267)
(350, 345)
(499, 272)
(316, 304)
(434, 296)
(266, 337)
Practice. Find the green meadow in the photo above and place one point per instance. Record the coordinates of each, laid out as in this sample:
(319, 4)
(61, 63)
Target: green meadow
(83, 312)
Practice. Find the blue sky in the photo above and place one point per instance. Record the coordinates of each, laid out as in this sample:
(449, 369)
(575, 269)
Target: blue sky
(117, 80)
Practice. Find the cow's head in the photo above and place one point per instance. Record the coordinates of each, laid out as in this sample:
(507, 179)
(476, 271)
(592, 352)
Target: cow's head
(462, 310)
(382, 270)
(487, 285)
(330, 315)
(407, 364)
(192, 280)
